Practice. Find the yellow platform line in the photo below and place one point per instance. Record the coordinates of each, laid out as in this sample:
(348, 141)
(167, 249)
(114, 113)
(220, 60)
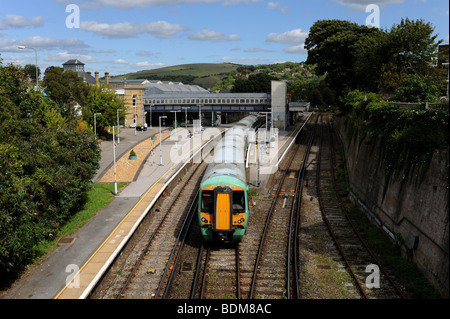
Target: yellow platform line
(77, 274)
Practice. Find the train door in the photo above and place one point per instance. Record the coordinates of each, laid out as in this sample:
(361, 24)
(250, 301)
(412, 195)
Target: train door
(222, 209)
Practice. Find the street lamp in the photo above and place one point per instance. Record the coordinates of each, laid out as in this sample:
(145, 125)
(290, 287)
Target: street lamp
(185, 113)
(151, 106)
(95, 123)
(114, 158)
(21, 47)
(118, 137)
(175, 118)
(160, 140)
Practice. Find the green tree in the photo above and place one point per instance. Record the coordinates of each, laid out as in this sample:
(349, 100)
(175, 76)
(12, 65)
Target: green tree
(30, 69)
(66, 88)
(416, 88)
(332, 46)
(383, 58)
(256, 83)
(103, 100)
(46, 168)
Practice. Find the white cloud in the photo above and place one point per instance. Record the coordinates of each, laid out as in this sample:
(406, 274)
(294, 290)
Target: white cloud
(144, 53)
(214, 36)
(277, 6)
(257, 50)
(133, 4)
(64, 56)
(295, 36)
(360, 5)
(121, 61)
(297, 49)
(138, 65)
(160, 29)
(38, 42)
(14, 21)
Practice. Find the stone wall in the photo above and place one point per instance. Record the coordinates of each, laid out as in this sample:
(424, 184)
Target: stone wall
(415, 215)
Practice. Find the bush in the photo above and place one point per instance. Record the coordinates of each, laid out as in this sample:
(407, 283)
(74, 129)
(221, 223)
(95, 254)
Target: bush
(46, 168)
(409, 137)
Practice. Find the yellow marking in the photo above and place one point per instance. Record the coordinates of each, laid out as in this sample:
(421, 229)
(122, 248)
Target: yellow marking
(208, 217)
(223, 212)
(115, 229)
(211, 187)
(237, 217)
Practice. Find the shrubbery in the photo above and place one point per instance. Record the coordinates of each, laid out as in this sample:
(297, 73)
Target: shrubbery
(409, 137)
(46, 168)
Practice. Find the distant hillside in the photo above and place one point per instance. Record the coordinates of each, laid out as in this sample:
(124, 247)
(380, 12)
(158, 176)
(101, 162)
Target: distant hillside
(203, 74)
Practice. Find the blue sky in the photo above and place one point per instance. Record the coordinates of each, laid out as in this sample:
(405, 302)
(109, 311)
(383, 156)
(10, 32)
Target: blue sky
(122, 36)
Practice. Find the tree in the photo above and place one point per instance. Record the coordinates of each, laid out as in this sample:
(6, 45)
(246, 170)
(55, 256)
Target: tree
(256, 83)
(416, 88)
(359, 57)
(46, 168)
(414, 46)
(30, 69)
(332, 46)
(103, 100)
(66, 88)
(383, 58)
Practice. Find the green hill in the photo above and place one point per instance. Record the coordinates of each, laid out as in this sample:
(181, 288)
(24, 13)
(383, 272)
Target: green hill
(203, 74)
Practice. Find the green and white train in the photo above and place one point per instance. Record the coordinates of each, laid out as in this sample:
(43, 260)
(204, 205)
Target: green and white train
(223, 205)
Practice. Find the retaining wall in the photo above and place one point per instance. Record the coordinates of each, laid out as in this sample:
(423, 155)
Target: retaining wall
(415, 215)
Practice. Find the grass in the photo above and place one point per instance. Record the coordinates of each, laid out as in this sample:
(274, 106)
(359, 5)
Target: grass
(98, 198)
(204, 74)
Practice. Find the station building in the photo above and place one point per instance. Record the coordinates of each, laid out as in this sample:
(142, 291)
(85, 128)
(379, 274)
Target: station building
(146, 100)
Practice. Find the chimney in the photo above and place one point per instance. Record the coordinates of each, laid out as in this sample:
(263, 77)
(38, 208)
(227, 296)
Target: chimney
(97, 81)
(107, 78)
(88, 73)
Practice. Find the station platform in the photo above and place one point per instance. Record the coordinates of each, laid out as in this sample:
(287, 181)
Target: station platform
(72, 270)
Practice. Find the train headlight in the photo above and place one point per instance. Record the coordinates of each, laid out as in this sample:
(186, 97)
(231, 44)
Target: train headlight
(204, 220)
(240, 221)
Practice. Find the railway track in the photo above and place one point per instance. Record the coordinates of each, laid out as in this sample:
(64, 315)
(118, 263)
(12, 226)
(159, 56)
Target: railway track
(275, 273)
(146, 269)
(370, 278)
(266, 264)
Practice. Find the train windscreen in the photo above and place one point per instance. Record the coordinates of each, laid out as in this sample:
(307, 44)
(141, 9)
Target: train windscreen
(207, 201)
(238, 202)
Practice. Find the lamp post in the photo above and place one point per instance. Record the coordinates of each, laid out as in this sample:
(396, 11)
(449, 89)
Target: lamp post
(185, 114)
(114, 158)
(95, 123)
(135, 120)
(151, 106)
(160, 140)
(175, 118)
(21, 47)
(118, 137)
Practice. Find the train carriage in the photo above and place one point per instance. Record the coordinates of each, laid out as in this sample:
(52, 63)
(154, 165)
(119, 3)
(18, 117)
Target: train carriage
(223, 204)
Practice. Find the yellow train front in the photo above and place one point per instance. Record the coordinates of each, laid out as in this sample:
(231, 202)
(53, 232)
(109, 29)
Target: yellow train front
(223, 205)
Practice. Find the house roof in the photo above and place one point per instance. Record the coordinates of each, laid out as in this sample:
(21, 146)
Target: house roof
(73, 61)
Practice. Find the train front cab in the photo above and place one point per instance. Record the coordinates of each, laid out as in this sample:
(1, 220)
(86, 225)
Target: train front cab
(223, 213)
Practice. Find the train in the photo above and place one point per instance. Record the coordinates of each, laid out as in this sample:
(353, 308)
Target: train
(223, 208)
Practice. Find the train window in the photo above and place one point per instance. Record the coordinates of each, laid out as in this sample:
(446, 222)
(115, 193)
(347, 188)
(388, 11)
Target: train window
(208, 201)
(238, 202)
